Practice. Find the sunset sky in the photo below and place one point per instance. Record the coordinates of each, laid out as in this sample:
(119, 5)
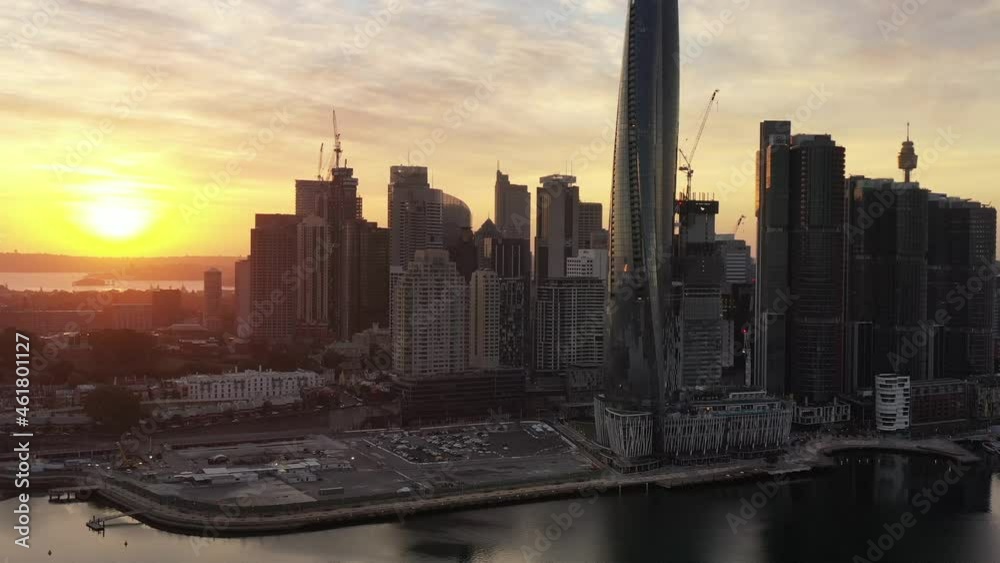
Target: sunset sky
(116, 116)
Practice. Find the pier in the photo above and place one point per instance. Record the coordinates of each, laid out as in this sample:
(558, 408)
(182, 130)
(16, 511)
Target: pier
(99, 523)
(72, 494)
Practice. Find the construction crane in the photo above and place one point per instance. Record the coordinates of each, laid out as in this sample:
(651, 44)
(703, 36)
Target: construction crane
(336, 138)
(689, 160)
(319, 167)
(739, 224)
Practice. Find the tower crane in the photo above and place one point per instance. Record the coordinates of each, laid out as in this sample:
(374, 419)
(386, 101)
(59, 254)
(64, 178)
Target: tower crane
(337, 150)
(689, 160)
(319, 167)
(739, 224)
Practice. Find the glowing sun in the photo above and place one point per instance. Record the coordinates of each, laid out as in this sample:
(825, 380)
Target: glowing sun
(115, 218)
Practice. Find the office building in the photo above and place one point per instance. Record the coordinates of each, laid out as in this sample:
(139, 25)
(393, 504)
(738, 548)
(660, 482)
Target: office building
(887, 280)
(939, 404)
(557, 225)
(588, 264)
(892, 402)
(167, 307)
(801, 214)
(736, 258)
(699, 270)
(569, 324)
(641, 362)
(415, 214)
(461, 397)
(131, 316)
(456, 218)
(464, 252)
(364, 267)
(512, 207)
(314, 247)
(212, 295)
(430, 303)
(484, 320)
(273, 283)
(591, 223)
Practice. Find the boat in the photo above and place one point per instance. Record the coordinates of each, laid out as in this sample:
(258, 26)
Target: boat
(92, 281)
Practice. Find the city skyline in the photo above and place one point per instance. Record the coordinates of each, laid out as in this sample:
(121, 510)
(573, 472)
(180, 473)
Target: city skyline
(137, 191)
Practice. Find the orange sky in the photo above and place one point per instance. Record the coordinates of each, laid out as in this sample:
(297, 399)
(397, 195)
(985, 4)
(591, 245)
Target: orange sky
(119, 120)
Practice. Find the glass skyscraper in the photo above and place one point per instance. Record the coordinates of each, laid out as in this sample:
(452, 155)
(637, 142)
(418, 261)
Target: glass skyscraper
(641, 357)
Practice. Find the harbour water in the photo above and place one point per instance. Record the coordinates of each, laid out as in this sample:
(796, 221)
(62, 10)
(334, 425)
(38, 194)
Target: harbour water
(63, 281)
(854, 510)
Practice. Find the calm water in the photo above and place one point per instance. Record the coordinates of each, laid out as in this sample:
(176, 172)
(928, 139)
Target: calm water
(60, 281)
(830, 517)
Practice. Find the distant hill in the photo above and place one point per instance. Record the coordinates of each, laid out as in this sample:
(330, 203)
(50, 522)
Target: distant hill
(158, 268)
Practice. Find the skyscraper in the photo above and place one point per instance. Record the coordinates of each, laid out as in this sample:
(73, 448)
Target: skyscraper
(364, 267)
(960, 285)
(456, 217)
(484, 320)
(430, 302)
(569, 324)
(512, 205)
(415, 215)
(244, 303)
(887, 280)
(591, 222)
(817, 261)
(510, 258)
(699, 269)
(314, 246)
(273, 285)
(212, 314)
(557, 229)
(640, 358)
(769, 329)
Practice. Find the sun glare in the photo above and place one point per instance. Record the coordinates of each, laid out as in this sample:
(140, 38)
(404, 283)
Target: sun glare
(116, 219)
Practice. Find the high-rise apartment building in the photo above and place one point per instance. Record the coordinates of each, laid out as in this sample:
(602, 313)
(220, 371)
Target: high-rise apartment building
(364, 266)
(314, 249)
(557, 228)
(510, 258)
(430, 304)
(641, 362)
(591, 223)
(273, 284)
(415, 214)
(512, 206)
(887, 280)
(212, 295)
(569, 324)
(484, 320)
(961, 285)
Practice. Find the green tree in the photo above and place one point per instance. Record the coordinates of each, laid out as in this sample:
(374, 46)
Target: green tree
(116, 408)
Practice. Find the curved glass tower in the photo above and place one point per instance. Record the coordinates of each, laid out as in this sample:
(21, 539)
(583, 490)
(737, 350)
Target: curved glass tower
(640, 352)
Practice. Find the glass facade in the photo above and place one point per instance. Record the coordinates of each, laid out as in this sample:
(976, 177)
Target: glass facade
(641, 357)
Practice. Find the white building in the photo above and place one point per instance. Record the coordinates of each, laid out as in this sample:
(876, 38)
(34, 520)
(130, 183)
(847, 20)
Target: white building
(430, 317)
(484, 320)
(588, 263)
(892, 402)
(246, 386)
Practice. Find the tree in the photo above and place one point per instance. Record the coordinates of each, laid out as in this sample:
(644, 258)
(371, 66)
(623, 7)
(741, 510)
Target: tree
(116, 408)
